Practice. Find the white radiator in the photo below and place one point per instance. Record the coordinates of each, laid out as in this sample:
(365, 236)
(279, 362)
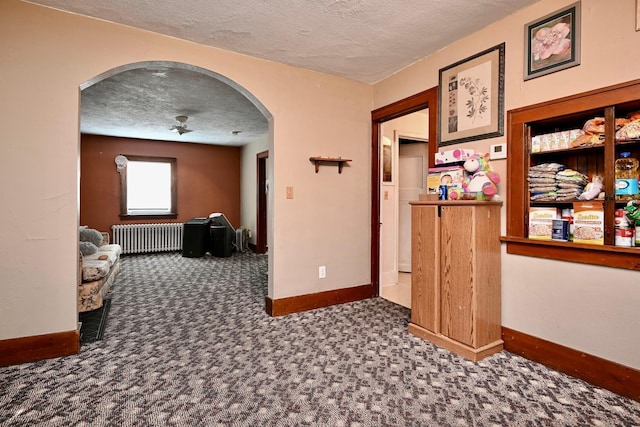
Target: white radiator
(142, 238)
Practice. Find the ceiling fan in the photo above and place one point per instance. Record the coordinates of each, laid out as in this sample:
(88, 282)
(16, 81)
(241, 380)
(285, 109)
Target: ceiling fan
(181, 126)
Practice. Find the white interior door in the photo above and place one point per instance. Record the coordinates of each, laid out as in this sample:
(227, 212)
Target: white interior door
(412, 173)
(411, 184)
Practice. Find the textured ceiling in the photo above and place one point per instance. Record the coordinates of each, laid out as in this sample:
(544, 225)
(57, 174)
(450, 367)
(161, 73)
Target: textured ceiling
(143, 103)
(364, 40)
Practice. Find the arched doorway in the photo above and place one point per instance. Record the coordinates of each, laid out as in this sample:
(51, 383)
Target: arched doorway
(197, 90)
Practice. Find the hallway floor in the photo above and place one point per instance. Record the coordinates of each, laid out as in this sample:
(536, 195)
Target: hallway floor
(399, 293)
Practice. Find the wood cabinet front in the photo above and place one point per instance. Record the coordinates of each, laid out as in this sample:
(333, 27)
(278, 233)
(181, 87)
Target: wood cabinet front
(455, 287)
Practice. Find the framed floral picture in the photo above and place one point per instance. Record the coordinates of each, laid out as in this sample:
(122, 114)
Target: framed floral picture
(471, 98)
(552, 43)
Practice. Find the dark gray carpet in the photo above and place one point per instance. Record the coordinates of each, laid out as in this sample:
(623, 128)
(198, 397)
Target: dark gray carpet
(188, 344)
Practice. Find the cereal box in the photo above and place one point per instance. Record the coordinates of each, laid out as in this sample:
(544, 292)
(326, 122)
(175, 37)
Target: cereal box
(451, 176)
(588, 223)
(541, 222)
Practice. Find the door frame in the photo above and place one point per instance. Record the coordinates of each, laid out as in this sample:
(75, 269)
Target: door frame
(261, 205)
(417, 102)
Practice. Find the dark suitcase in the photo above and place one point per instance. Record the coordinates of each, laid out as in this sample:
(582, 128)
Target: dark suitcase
(221, 241)
(195, 237)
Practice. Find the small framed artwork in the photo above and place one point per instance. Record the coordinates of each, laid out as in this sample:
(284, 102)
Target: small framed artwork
(387, 160)
(471, 98)
(552, 43)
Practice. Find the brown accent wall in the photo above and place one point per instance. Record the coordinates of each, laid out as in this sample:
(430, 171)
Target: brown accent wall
(208, 179)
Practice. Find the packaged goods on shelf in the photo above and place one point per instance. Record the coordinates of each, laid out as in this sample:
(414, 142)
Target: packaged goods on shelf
(629, 131)
(555, 140)
(535, 144)
(570, 183)
(626, 177)
(542, 181)
(560, 230)
(552, 182)
(594, 131)
(588, 223)
(448, 175)
(625, 237)
(541, 222)
(567, 214)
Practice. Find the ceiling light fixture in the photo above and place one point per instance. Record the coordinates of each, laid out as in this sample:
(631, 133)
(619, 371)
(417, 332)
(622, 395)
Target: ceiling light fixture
(181, 126)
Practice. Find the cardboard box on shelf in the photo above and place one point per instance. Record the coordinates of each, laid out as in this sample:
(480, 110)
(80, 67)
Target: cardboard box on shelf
(452, 156)
(588, 223)
(541, 222)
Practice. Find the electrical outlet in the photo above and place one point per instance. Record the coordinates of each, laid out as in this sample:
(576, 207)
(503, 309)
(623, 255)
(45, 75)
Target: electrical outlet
(322, 272)
(289, 192)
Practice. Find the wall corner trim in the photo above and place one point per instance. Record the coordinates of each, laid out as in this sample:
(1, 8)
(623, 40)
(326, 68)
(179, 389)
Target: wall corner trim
(619, 379)
(39, 347)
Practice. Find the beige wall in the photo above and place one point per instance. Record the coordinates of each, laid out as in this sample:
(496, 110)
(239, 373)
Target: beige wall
(589, 308)
(46, 55)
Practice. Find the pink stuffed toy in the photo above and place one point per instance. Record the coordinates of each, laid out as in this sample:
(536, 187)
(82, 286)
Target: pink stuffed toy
(482, 180)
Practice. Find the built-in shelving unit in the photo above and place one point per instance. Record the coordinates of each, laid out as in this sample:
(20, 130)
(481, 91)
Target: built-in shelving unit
(559, 115)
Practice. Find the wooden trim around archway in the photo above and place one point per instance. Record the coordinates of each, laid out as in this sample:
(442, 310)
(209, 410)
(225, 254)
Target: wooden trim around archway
(261, 188)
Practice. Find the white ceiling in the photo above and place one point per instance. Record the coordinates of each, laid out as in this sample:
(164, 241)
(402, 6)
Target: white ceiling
(363, 40)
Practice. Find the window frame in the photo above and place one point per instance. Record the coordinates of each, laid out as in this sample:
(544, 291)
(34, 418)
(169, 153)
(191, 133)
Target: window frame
(124, 212)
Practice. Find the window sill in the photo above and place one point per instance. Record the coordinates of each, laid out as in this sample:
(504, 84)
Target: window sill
(605, 255)
(149, 216)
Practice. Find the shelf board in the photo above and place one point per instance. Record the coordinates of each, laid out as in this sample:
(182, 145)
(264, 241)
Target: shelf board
(597, 147)
(605, 255)
(332, 160)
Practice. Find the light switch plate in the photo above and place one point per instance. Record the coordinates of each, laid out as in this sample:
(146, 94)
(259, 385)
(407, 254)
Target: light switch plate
(498, 151)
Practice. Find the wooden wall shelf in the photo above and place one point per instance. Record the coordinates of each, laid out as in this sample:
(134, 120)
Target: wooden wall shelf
(336, 160)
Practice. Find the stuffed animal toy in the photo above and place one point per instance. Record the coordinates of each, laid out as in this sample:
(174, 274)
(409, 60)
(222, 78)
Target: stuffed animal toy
(482, 181)
(592, 189)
